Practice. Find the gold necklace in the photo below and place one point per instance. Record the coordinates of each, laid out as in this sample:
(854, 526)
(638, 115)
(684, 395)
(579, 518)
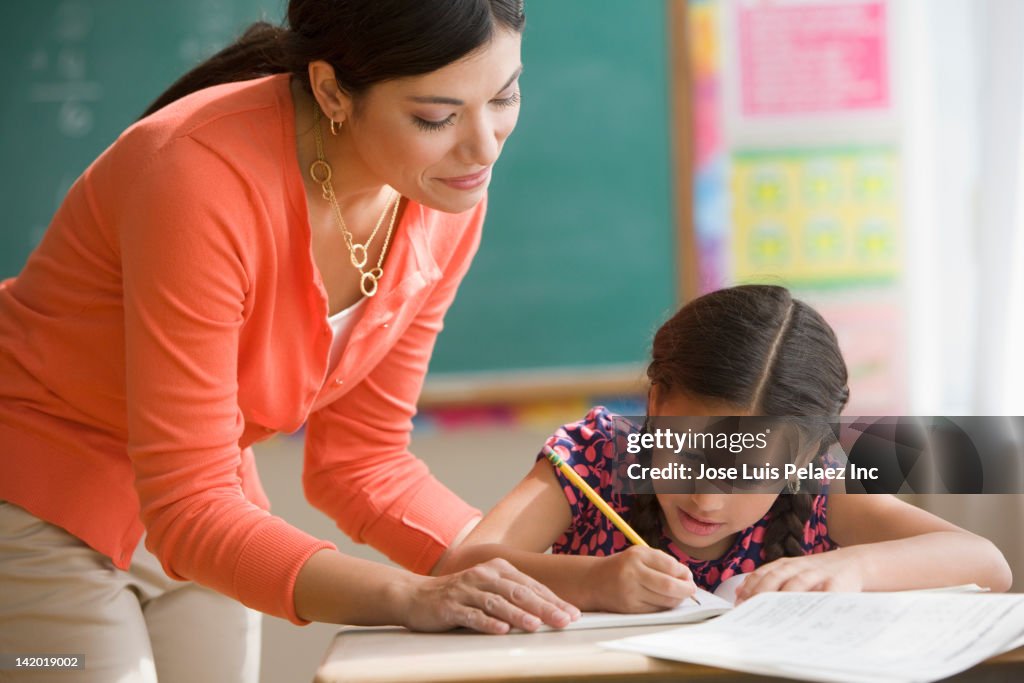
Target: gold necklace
(320, 172)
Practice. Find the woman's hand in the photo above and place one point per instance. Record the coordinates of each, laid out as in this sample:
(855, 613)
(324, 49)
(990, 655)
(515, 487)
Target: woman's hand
(640, 579)
(835, 570)
(491, 597)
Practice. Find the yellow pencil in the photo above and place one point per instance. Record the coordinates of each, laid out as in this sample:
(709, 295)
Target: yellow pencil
(597, 500)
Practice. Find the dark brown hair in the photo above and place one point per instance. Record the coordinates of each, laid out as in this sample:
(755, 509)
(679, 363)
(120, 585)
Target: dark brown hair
(757, 348)
(366, 41)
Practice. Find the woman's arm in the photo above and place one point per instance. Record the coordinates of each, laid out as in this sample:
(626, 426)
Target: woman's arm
(186, 275)
(358, 466)
(489, 597)
(886, 545)
(532, 516)
(184, 242)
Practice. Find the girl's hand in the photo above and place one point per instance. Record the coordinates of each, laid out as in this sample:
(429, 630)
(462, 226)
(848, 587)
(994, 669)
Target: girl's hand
(640, 579)
(835, 570)
(491, 597)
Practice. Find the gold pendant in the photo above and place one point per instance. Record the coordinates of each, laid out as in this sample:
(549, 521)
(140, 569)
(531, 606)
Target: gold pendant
(358, 255)
(320, 171)
(371, 289)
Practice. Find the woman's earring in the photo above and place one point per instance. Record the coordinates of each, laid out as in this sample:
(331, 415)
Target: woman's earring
(793, 485)
(335, 127)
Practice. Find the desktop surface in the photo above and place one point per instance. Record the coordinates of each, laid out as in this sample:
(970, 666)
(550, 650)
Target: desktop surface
(376, 655)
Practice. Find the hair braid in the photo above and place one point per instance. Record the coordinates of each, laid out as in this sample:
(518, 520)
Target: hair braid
(645, 518)
(785, 532)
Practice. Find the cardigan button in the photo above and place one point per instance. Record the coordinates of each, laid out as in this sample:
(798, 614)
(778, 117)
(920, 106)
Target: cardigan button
(339, 381)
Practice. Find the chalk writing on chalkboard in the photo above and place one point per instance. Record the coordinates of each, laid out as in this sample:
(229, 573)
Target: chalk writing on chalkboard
(216, 26)
(61, 71)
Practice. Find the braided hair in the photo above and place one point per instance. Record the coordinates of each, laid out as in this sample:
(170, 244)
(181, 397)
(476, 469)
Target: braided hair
(757, 348)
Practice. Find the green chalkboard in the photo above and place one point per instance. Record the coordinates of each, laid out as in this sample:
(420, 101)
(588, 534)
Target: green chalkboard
(75, 74)
(577, 265)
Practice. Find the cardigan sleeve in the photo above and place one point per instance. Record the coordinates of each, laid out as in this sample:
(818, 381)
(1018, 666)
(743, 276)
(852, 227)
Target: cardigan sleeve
(182, 238)
(358, 467)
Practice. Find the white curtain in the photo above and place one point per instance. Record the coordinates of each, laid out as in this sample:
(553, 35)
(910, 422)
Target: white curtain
(964, 155)
(999, 386)
(963, 75)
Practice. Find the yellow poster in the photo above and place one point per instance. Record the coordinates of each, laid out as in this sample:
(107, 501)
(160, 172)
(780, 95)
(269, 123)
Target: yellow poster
(811, 218)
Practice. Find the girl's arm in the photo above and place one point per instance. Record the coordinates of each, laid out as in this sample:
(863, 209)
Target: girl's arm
(532, 516)
(886, 545)
(900, 546)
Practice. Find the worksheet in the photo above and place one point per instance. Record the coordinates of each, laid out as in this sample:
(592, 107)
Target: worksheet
(911, 636)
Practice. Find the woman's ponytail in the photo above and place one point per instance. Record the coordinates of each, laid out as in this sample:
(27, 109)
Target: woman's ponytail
(260, 51)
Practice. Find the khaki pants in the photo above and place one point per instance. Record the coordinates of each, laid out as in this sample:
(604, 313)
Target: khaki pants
(60, 597)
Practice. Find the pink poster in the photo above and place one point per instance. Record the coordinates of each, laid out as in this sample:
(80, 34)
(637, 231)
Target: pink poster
(872, 336)
(805, 57)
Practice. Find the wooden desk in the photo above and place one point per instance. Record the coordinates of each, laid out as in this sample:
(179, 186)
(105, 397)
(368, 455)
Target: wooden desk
(378, 655)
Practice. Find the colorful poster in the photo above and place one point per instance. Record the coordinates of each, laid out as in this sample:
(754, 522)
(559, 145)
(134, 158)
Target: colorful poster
(804, 57)
(813, 218)
(710, 182)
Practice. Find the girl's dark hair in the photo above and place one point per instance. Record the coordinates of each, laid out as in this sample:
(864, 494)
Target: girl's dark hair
(366, 41)
(757, 348)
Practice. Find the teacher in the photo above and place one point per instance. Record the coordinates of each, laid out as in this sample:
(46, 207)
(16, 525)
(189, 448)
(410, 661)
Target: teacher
(274, 244)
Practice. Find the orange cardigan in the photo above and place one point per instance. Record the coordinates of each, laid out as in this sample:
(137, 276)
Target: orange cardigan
(173, 316)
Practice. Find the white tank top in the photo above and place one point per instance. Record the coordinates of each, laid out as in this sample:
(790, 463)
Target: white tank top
(342, 323)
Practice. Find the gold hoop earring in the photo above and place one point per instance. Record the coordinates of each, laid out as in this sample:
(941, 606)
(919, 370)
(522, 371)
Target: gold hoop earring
(335, 126)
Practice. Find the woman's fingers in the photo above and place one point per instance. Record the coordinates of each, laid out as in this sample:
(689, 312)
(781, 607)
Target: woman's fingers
(495, 606)
(538, 599)
(477, 620)
(499, 591)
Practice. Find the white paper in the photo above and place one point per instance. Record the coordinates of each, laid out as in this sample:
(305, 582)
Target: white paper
(727, 589)
(687, 612)
(847, 637)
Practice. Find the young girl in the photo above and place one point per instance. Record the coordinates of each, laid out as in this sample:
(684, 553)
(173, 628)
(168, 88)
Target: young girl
(749, 350)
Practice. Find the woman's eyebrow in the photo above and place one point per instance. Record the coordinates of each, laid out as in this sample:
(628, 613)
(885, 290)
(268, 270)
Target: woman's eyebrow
(436, 99)
(511, 78)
